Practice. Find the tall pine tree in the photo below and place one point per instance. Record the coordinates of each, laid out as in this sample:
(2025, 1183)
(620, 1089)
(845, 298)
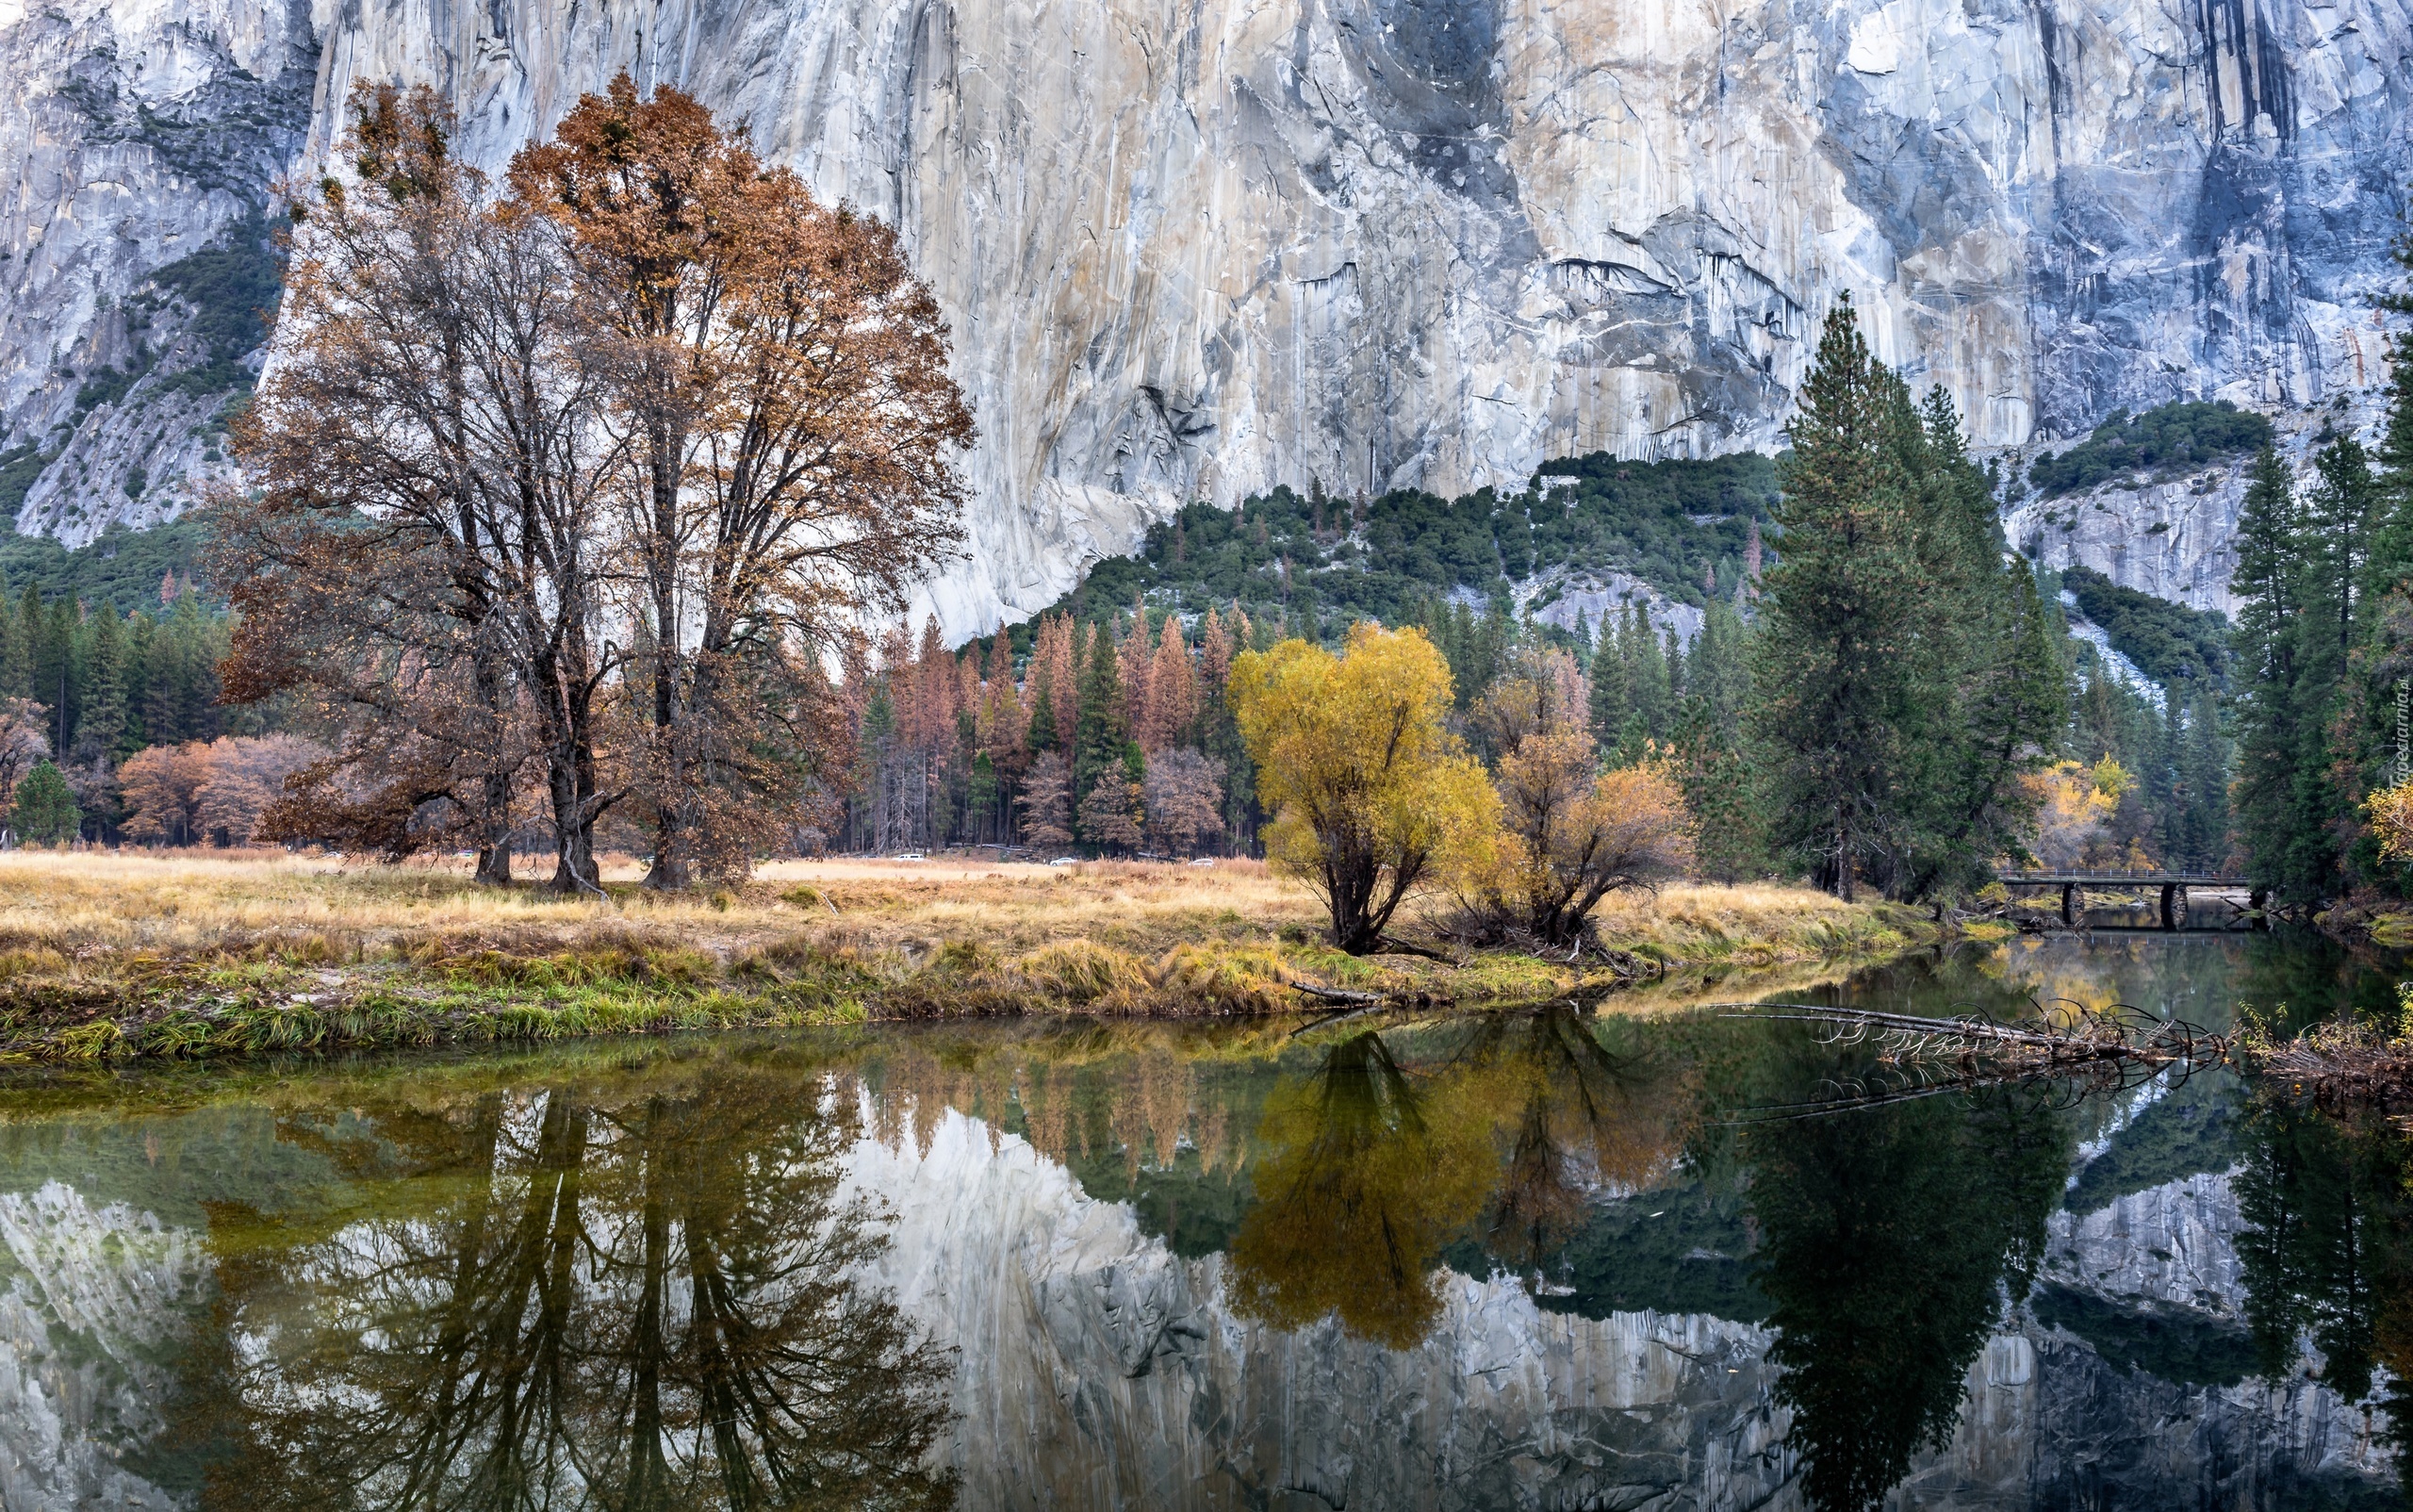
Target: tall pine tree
(1906, 671)
(2271, 585)
(1837, 613)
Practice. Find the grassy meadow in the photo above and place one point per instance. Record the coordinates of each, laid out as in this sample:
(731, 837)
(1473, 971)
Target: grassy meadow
(198, 953)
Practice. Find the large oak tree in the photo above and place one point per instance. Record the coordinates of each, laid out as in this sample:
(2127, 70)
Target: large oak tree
(776, 379)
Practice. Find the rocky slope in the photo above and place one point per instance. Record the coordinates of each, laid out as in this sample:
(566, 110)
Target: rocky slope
(1196, 250)
(2176, 537)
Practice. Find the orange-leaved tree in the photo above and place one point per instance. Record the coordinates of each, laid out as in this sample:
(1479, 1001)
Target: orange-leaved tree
(1374, 796)
(1574, 833)
(776, 377)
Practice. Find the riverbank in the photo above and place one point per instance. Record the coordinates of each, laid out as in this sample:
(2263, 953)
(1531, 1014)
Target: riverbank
(109, 956)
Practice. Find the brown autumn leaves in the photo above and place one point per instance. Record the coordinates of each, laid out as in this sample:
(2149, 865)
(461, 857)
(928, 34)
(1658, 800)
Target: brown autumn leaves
(564, 489)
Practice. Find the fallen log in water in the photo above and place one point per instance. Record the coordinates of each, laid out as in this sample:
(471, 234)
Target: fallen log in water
(2119, 1034)
(2335, 1066)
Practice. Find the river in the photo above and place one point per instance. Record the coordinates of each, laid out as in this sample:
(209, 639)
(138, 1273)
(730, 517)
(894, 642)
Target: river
(1671, 1258)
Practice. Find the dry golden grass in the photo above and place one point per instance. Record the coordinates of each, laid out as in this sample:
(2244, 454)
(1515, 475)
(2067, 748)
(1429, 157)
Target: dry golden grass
(184, 903)
(190, 953)
(180, 903)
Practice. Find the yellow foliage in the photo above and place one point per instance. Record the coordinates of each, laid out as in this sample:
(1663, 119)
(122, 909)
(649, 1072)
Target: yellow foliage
(2073, 811)
(1358, 1193)
(2111, 780)
(2391, 815)
(1375, 796)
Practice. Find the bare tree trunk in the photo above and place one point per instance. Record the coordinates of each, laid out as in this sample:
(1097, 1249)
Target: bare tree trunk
(1843, 858)
(493, 842)
(494, 787)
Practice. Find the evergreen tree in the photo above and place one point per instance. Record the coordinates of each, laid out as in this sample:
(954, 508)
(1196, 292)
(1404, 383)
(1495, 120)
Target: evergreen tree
(1043, 737)
(1987, 689)
(2202, 760)
(141, 651)
(179, 691)
(1647, 671)
(45, 812)
(49, 637)
(2339, 516)
(2287, 849)
(981, 797)
(1715, 676)
(1710, 765)
(1908, 671)
(100, 722)
(1831, 659)
(1612, 683)
(16, 657)
(1099, 734)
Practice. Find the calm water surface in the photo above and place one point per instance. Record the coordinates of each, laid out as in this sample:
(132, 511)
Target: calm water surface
(1532, 1259)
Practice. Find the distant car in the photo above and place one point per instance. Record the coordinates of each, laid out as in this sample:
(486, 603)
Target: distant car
(1065, 860)
(1204, 861)
(913, 855)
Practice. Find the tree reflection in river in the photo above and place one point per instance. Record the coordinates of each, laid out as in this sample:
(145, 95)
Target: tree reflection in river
(1510, 1131)
(569, 1299)
(1578, 1123)
(1358, 1192)
(1888, 1240)
(2327, 1254)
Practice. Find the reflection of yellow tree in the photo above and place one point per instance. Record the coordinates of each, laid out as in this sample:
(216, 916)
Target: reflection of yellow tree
(1356, 1197)
(639, 1304)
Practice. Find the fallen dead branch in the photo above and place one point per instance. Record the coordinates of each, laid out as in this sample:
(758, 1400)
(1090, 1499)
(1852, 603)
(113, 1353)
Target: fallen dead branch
(2120, 1033)
(2336, 1066)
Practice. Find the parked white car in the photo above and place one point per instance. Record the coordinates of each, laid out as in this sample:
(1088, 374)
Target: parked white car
(1065, 860)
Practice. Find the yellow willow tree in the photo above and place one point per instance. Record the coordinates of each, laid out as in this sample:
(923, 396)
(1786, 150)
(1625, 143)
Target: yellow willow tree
(1374, 796)
(777, 378)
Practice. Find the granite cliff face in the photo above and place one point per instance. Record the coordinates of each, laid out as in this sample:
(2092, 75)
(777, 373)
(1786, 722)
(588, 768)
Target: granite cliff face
(135, 134)
(1198, 249)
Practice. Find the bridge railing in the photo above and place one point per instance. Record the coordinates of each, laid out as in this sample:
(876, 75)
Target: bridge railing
(2064, 879)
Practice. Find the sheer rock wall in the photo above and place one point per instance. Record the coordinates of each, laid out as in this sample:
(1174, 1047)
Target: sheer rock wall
(1199, 249)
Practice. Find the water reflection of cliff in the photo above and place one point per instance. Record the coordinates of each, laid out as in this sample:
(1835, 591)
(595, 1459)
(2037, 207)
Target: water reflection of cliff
(1829, 1308)
(1528, 1259)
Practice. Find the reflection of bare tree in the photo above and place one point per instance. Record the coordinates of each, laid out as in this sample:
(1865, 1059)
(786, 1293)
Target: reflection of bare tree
(1574, 1123)
(639, 1304)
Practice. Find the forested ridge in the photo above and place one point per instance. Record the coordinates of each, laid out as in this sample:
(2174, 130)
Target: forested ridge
(1685, 529)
